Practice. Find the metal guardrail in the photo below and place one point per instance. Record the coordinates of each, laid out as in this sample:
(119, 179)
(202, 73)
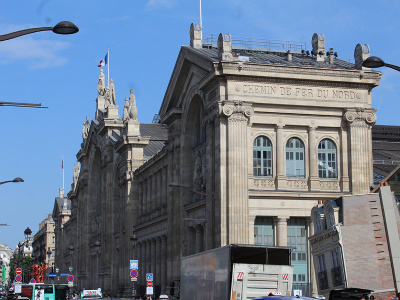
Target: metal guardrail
(242, 43)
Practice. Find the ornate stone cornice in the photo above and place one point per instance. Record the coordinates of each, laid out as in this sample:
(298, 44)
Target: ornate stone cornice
(360, 117)
(236, 110)
(308, 71)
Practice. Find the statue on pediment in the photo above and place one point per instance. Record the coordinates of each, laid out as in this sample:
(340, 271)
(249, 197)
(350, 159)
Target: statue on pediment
(132, 107)
(112, 92)
(85, 129)
(101, 89)
(75, 176)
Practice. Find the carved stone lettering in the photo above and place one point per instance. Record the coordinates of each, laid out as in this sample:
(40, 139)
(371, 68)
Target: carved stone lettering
(301, 92)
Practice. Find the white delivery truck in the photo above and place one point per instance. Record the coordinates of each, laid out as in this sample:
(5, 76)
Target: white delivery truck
(236, 272)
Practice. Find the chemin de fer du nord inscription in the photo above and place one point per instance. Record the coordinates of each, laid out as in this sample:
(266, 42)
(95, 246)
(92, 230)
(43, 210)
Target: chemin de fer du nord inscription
(300, 92)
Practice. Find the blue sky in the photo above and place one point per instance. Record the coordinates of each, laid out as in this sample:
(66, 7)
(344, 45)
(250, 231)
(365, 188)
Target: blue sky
(144, 37)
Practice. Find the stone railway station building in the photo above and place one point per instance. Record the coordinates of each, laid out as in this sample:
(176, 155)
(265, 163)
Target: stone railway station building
(248, 142)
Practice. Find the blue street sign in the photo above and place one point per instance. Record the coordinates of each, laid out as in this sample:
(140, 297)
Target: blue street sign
(149, 277)
(52, 275)
(65, 274)
(134, 264)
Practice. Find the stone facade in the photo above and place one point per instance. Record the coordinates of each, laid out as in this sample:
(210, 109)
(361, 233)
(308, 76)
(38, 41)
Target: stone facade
(239, 157)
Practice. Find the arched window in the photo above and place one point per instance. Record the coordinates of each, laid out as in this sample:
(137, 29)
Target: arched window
(262, 157)
(295, 158)
(327, 159)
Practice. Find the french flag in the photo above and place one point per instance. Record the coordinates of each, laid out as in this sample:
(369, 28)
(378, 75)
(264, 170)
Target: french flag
(104, 61)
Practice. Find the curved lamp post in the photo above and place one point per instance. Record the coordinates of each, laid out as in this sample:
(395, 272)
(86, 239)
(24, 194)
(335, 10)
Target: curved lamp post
(64, 27)
(376, 62)
(17, 179)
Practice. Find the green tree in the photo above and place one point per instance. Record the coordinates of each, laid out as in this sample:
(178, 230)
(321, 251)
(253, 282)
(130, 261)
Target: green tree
(23, 262)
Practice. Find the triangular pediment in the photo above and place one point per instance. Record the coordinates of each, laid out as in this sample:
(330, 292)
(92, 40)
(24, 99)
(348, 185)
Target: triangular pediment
(190, 68)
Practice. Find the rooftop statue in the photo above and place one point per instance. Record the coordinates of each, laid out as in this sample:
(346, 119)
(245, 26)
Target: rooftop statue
(132, 107)
(112, 92)
(76, 174)
(101, 89)
(85, 129)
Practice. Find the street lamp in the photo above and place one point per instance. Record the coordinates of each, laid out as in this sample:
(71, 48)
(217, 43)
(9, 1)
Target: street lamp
(64, 27)
(48, 252)
(17, 179)
(376, 62)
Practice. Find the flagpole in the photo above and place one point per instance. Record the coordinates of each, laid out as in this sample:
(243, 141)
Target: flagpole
(63, 170)
(108, 68)
(201, 23)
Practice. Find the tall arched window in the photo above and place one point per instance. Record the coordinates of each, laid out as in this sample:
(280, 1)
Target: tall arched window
(262, 157)
(295, 158)
(327, 159)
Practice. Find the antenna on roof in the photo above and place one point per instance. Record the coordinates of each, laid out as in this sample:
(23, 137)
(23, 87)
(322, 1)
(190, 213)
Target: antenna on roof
(201, 23)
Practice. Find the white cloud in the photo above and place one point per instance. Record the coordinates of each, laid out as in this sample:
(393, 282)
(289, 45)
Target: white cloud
(157, 4)
(38, 54)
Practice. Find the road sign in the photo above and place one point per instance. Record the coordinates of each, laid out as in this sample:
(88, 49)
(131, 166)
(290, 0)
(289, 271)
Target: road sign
(70, 283)
(149, 277)
(18, 278)
(18, 271)
(134, 264)
(52, 275)
(70, 278)
(149, 283)
(149, 291)
(134, 273)
(33, 280)
(18, 288)
(65, 274)
(133, 278)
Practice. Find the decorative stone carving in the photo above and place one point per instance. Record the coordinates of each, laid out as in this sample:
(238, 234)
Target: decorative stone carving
(199, 170)
(318, 45)
(237, 111)
(75, 176)
(101, 89)
(329, 185)
(298, 184)
(361, 53)
(85, 129)
(132, 106)
(196, 36)
(110, 97)
(360, 117)
(264, 183)
(225, 47)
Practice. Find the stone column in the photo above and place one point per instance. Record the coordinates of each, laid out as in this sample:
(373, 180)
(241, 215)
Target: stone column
(158, 189)
(153, 256)
(164, 185)
(148, 257)
(314, 178)
(140, 202)
(157, 279)
(311, 270)
(280, 158)
(281, 231)
(163, 262)
(345, 161)
(238, 114)
(154, 191)
(360, 121)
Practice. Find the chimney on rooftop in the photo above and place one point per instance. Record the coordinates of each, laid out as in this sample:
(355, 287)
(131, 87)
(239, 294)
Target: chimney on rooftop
(361, 53)
(318, 45)
(196, 36)
(225, 47)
